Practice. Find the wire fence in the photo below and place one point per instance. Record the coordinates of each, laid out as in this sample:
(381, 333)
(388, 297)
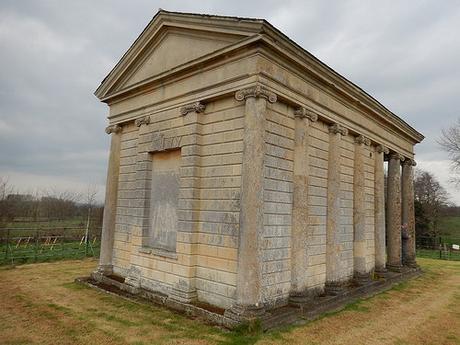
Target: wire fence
(39, 244)
(441, 247)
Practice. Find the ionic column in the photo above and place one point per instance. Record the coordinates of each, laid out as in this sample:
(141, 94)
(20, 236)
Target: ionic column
(379, 209)
(249, 275)
(299, 232)
(110, 208)
(361, 272)
(334, 276)
(408, 213)
(394, 211)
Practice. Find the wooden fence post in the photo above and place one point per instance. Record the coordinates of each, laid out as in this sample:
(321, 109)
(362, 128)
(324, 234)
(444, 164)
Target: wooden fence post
(36, 245)
(7, 244)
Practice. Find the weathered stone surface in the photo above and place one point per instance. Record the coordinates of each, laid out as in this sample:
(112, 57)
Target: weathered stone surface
(408, 213)
(300, 232)
(379, 210)
(394, 211)
(111, 191)
(277, 190)
(335, 275)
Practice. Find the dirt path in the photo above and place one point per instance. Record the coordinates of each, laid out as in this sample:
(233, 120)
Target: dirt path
(40, 304)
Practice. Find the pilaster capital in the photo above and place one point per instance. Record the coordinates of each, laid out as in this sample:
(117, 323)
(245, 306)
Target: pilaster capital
(361, 139)
(145, 120)
(196, 107)
(410, 162)
(338, 129)
(113, 129)
(396, 155)
(256, 91)
(304, 113)
(382, 149)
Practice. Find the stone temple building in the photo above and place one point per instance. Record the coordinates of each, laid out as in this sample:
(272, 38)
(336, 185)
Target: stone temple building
(246, 174)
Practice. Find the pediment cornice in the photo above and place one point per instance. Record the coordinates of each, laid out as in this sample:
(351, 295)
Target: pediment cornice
(259, 34)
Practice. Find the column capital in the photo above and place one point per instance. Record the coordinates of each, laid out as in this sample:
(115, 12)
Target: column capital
(113, 129)
(396, 155)
(305, 113)
(361, 139)
(338, 129)
(256, 92)
(409, 161)
(145, 120)
(382, 149)
(196, 107)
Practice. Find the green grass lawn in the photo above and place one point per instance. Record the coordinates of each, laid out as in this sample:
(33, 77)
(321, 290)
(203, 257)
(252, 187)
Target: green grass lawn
(449, 226)
(30, 223)
(42, 253)
(42, 305)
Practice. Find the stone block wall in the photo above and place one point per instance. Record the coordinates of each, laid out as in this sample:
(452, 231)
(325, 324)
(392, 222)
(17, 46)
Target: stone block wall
(211, 144)
(278, 187)
(219, 200)
(369, 167)
(317, 195)
(346, 204)
(126, 201)
(205, 259)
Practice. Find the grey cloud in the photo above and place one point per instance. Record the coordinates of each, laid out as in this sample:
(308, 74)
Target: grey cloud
(53, 54)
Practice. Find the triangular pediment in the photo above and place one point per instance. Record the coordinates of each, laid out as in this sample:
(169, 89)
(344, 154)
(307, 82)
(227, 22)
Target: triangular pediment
(171, 40)
(175, 47)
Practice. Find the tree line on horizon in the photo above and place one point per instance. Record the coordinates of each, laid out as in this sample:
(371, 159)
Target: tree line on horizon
(48, 205)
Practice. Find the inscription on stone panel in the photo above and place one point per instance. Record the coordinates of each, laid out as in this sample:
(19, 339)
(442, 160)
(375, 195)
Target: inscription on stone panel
(161, 143)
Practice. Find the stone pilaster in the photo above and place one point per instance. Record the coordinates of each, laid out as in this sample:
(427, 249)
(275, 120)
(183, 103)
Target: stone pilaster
(299, 233)
(361, 271)
(408, 213)
(379, 209)
(248, 302)
(192, 118)
(394, 211)
(334, 274)
(111, 192)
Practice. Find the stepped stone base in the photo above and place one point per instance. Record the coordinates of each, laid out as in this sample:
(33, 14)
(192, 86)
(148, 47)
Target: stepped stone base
(300, 311)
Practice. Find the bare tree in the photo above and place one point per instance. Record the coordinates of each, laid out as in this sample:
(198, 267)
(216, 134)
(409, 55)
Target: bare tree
(450, 142)
(6, 189)
(58, 204)
(90, 200)
(430, 199)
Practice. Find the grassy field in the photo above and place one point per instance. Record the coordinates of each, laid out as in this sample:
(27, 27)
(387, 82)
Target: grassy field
(44, 253)
(30, 223)
(42, 305)
(43, 241)
(449, 226)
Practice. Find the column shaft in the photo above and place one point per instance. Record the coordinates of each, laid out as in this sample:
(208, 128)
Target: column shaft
(110, 207)
(408, 213)
(334, 276)
(299, 232)
(361, 270)
(379, 210)
(394, 212)
(249, 274)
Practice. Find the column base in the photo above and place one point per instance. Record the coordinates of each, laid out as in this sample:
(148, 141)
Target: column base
(361, 278)
(299, 298)
(411, 263)
(395, 268)
(101, 272)
(380, 272)
(245, 313)
(335, 288)
(104, 270)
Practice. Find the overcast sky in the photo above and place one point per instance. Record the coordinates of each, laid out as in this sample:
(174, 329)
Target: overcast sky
(53, 55)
